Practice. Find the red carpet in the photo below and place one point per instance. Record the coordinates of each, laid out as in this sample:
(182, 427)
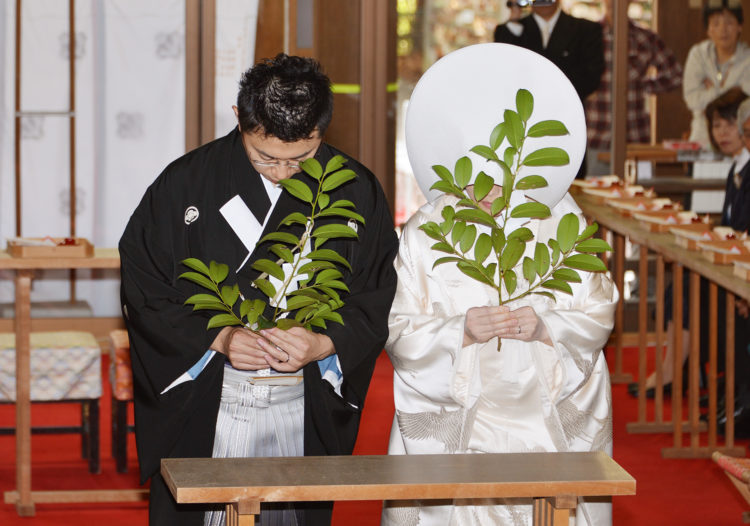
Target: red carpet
(684, 492)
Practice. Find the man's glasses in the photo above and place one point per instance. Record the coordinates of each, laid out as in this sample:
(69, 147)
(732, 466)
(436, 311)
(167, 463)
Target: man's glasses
(293, 165)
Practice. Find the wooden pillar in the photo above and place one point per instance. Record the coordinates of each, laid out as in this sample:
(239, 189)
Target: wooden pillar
(200, 50)
(619, 88)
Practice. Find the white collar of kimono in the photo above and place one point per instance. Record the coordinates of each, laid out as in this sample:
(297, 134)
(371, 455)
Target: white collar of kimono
(461, 98)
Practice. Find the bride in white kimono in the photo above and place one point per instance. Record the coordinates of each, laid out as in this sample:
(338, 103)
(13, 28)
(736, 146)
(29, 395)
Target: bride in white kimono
(548, 388)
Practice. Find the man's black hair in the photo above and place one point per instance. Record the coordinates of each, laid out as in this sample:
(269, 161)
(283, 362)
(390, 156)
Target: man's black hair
(286, 97)
(717, 6)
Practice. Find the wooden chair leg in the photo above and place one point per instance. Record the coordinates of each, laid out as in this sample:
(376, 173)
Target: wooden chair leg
(93, 437)
(120, 436)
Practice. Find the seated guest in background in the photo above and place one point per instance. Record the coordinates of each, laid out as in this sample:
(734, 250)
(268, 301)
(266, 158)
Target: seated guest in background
(548, 388)
(715, 65)
(729, 118)
(573, 44)
(646, 52)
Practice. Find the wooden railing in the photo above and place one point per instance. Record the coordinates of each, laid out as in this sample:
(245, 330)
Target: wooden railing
(554, 480)
(667, 253)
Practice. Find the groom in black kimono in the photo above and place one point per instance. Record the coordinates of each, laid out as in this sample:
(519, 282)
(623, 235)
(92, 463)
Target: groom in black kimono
(214, 203)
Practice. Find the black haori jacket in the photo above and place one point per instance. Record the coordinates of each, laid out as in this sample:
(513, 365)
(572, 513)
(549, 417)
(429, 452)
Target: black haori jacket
(179, 218)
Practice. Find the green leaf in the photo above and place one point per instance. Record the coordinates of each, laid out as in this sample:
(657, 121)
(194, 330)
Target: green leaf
(201, 298)
(522, 234)
(222, 320)
(336, 162)
(547, 157)
(285, 324)
(510, 280)
(333, 316)
(298, 189)
(200, 279)
(309, 293)
(511, 254)
(449, 259)
(473, 273)
(497, 206)
(269, 267)
(328, 291)
(498, 239)
(535, 210)
(294, 217)
(284, 237)
(229, 294)
(443, 247)
(508, 156)
(263, 323)
(443, 173)
(447, 188)
(463, 172)
(197, 265)
(327, 275)
(466, 203)
(326, 254)
(314, 266)
(547, 128)
(546, 294)
(312, 167)
(333, 230)
(218, 272)
(530, 182)
(567, 231)
(589, 231)
(593, 245)
(468, 237)
(323, 200)
(283, 252)
(489, 271)
(482, 248)
(524, 104)
(336, 284)
(485, 151)
(556, 284)
(567, 274)
(432, 230)
(458, 231)
(342, 212)
(474, 215)
(529, 269)
(297, 302)
(541, 259)
(249, 306)
(555, 246)
(336, 179)
(212, 306)
(265, 287)
(497, 136)
(448, 213)
(343, 203)
(482, 185)
(585, 262)
(513, 128)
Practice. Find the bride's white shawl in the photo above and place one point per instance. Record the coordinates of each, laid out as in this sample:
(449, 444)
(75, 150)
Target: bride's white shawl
(527, 397)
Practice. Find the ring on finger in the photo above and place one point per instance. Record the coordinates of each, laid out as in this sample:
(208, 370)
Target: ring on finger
(282, 350)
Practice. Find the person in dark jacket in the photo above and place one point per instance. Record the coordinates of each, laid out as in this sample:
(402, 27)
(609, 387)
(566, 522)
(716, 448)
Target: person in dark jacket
(231, 392)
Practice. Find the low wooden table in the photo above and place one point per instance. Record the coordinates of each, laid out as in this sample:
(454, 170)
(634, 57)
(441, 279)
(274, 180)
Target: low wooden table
(554, 480)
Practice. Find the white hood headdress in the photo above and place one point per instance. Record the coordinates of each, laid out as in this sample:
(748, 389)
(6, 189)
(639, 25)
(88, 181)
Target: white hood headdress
(462, 97)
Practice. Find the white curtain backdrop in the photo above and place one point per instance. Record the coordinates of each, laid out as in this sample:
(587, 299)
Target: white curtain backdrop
(130, 118)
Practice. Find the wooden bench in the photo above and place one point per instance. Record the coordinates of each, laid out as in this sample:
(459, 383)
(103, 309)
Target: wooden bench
(554, 480)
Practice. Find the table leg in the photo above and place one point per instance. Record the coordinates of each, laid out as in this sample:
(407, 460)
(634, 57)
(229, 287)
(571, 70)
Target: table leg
(242, 513)
(25, 504)
(553, 511)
